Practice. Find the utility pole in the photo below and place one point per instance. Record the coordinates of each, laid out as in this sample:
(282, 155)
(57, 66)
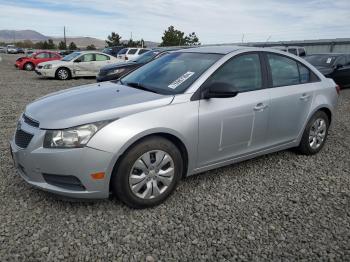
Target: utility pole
(242, 38)
(64, 36)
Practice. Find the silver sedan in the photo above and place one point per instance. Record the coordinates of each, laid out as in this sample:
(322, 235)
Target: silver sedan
(187, 112)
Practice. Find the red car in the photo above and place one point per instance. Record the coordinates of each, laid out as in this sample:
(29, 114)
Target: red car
(30, 62)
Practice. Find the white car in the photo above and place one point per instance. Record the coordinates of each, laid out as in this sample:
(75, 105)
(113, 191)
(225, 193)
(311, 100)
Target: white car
(77, 64)
(131, 53)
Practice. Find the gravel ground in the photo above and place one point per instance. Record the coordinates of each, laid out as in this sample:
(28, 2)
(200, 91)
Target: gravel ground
(281, 206)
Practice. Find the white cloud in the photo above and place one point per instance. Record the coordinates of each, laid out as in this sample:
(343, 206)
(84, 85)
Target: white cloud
(214, 21)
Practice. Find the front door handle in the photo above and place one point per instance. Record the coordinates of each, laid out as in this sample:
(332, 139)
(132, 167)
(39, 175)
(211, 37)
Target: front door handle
(304, 97)
(260, 107)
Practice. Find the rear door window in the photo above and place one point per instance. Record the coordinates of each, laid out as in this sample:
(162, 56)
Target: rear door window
(142, 51)
(100, 57)
(304, 74)
(284, 71)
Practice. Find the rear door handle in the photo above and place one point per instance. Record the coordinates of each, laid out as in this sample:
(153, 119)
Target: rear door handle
(305, 97)
(260, 107)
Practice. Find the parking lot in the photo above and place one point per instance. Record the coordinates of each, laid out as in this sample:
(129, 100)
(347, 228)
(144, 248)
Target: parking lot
(282, 206)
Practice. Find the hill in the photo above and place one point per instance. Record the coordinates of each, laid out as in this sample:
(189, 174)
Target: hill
(10, 36)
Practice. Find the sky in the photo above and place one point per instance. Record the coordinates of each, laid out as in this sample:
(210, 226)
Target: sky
(214, 21)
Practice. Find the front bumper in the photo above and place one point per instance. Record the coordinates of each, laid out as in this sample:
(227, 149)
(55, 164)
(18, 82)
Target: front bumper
(34, 162)
(45, 72)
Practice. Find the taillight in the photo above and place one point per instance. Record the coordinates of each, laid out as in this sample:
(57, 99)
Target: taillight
(337, 87)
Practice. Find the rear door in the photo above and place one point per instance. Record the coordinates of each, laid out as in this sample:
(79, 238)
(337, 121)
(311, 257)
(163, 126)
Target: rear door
(231, 127)
(101, 60)
(292, 93)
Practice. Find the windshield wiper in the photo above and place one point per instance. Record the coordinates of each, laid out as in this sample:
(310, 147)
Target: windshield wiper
(139, 86)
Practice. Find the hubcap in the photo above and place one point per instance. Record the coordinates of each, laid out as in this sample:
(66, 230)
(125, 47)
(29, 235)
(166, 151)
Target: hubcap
(29, 67)
(151, 174)
(317, 133)
(63, 74)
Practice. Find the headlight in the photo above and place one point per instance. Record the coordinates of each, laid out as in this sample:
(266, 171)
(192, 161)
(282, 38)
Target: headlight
(115, 71)
(47, 66)
(74, 137)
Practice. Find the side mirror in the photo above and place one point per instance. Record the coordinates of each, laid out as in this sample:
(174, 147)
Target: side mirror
(219, 90)
(338, 66)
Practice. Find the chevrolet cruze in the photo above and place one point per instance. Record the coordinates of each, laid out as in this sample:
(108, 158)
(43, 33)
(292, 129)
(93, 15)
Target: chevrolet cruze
(187, 112)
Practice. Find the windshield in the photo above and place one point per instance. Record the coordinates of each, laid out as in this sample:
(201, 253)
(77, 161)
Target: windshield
(146, 57)
(71, 56)
(172, 73)
(107, 51)
(321, 60)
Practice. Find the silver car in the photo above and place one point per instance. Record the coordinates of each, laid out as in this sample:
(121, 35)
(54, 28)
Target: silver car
(187, 112)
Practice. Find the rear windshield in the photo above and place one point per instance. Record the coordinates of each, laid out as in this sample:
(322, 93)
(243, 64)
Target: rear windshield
(123, 51)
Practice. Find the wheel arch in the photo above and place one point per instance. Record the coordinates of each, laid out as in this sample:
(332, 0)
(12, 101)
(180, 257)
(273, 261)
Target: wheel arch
(167, 135)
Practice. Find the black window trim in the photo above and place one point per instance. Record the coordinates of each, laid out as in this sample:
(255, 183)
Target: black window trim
(264, 80)
(313, 78)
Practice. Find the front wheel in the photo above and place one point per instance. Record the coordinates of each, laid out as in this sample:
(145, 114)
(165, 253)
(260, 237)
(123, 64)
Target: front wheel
(315, 134)
(148, 173)
(28, 67)
(63, 74)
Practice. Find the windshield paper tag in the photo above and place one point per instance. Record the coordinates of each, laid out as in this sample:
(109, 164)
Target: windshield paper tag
(329, 60)
(180, 80)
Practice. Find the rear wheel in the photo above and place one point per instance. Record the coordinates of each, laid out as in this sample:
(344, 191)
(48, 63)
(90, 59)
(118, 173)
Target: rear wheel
(148, 173)
(28, 66)
(63, 74)
(315, 134)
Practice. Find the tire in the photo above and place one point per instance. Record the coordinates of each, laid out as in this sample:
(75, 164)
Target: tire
(141, 183)
(63, 74)
(313, 133)
(28, 66)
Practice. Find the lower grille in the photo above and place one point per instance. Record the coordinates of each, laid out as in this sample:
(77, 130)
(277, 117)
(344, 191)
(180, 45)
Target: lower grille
(22, 138)
(66, 182)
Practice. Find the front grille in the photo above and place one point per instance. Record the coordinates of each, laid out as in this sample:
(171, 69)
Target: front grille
(22, 138)
(66, 182)
(30, 121)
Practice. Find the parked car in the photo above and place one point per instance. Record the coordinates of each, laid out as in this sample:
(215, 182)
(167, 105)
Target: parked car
(20, 50)
(29, 62)
(3, 49)
(295, 50)
(65, 52)
(113, 50)
(29, 51)
(77, 64)
(187, 112)
(115, 71)
(131, 53)
(11, 49)
(335, 66)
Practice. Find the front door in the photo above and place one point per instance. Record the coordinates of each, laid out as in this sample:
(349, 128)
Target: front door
(85, 65)
(232, 127)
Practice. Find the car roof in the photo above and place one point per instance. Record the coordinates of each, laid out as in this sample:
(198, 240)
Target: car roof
(214, 49)
(329, 54)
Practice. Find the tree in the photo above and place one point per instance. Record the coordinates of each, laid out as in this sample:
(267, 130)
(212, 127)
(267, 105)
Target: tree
(73, 46)
(113, 40)
(62, 45)
(173, 37)
(51, 44)
(91, 47)
(192, 39)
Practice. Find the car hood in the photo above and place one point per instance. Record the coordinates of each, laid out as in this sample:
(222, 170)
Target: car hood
(325, 70)
(118, 65)
(92, 103)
